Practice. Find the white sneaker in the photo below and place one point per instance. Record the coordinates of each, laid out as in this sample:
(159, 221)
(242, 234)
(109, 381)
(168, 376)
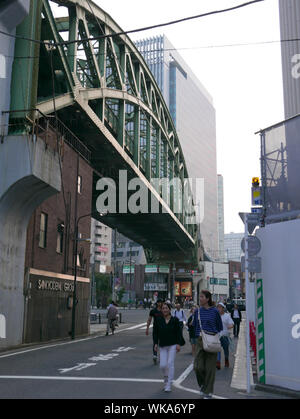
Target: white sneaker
(166, 378)
(207, 396)
(168, 389)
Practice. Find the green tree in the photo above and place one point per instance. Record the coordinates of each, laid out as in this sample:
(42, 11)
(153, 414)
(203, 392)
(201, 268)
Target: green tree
(103, 288)
(120, 294)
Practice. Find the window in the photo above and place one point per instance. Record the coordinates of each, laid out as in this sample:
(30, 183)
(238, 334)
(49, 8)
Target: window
(43, 230)
(60, 238)
(79, 184)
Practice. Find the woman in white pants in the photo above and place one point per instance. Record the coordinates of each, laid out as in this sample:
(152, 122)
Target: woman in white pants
(168, 336)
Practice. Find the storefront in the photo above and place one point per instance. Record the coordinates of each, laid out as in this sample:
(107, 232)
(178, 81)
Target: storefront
(156, 281)
(183, 289)
(48, 306)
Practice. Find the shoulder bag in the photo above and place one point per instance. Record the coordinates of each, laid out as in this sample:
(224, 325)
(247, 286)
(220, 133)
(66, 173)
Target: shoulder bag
(211, 342)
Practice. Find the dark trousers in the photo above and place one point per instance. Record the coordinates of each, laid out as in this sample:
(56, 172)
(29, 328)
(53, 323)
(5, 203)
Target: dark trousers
(205, 368)
(236, 328)
(154, 352)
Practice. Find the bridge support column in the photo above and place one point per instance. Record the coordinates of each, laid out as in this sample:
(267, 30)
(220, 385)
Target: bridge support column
(29, 174)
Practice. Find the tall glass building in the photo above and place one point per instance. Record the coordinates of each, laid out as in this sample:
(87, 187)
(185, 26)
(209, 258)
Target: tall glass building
(289, 11)
(192, 110)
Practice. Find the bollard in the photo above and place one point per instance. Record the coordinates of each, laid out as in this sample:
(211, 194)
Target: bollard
(99, 318)
(120, 317)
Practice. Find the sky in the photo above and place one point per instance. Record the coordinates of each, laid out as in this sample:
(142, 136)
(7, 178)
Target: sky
(244, 81)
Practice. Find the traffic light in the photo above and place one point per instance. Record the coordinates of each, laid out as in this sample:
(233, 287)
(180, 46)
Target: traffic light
(255, 181)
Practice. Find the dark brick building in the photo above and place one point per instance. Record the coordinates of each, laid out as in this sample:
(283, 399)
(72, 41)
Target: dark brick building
(49, 262)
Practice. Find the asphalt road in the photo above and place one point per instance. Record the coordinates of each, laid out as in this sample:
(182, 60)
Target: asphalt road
(112, 367)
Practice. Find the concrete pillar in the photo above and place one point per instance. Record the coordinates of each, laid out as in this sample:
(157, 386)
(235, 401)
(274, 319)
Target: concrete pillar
(12, 12)
(29, 174)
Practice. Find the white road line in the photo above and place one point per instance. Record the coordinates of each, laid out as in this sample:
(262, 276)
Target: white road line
(58, 378)
(145, 327)
(66, 343)
(131, 328)
(184, 375)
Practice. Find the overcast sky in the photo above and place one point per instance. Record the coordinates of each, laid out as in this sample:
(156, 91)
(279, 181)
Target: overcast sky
(244, 81)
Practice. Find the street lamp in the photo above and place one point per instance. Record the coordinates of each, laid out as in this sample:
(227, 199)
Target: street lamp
(77, 239)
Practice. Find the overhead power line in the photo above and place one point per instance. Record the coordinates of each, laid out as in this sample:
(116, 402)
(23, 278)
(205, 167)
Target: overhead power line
(242, 44)
(160, 25)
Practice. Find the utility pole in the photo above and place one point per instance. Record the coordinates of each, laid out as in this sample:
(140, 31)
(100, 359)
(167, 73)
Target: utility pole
(247, 304)
(115, 265)
(130, 249)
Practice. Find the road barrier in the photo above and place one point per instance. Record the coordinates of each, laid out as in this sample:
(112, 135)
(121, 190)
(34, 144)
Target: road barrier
(95, 318)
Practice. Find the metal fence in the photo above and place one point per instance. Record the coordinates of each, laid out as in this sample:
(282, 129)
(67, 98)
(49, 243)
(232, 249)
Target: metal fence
(280, 167)
(40, 125)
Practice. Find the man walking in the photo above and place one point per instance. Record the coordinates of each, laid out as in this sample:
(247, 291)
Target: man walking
(236, 316)
(155, 313)
(179, 313)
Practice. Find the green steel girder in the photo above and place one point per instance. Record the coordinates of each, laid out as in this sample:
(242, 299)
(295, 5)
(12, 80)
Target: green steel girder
(110, 82)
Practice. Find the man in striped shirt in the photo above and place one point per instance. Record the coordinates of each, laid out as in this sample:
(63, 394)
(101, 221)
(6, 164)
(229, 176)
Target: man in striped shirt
(205, 362)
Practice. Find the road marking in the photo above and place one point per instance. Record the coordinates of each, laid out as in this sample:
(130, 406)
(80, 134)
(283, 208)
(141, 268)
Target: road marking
(34, 377)
(183, 376)
(101, 357)
(132, 327)
(78, 367)
(67, 343)
(145, 327)
(123, 349)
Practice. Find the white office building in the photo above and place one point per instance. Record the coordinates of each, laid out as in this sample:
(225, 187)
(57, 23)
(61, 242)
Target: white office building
(232, 245)
(100, 246)
(290, 29)
(221, 236)
(193, 113)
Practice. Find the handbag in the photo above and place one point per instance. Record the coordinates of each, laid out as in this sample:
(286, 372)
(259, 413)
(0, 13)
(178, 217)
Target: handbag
(211, 342)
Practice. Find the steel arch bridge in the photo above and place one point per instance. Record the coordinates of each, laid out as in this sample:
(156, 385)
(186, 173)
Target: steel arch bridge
(95, 80)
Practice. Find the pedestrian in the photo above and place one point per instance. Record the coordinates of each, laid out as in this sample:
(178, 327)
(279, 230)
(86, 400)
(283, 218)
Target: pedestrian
(236, 316)
(179, 313)
(155, 313)
(167, 335)
(225, 334)
(112, 315)
(191, 329)
(205, 362)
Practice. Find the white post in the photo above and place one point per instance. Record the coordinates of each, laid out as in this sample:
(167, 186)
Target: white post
(247, 304)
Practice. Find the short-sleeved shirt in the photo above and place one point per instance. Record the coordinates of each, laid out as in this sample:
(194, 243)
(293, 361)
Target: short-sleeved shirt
(227, 321)
(155, 313)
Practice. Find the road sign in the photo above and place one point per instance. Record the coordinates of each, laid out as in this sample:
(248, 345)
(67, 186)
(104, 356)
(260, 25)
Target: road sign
(254, 264)
(257, 210)
(256, 196)
(254, 245)
(253, 220)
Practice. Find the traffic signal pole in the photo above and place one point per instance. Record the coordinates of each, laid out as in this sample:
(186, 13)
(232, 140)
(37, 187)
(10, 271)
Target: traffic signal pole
(247, 306)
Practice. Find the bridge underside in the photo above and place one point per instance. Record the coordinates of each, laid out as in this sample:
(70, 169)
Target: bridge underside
(161, 232)
(100, 87)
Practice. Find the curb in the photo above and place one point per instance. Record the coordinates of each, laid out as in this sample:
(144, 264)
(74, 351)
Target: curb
(278, 390)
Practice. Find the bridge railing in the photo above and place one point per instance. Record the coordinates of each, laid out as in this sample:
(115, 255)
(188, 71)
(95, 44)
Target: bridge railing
(35, 124)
